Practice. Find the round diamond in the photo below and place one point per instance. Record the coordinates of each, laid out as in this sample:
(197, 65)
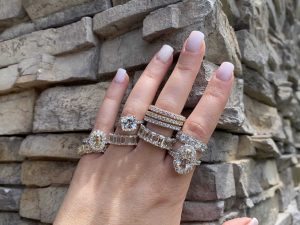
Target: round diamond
(97, 140)
(128, 123)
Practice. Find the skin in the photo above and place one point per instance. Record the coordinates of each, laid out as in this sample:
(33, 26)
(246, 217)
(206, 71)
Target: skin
(130, 185)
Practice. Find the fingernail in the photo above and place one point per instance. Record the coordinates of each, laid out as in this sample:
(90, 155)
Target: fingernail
(165, 53)
(225, 71)
(120, 76)
(254, 221)
(194, 41)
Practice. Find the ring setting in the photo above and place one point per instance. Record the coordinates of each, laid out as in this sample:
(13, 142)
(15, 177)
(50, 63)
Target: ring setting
(129, 123)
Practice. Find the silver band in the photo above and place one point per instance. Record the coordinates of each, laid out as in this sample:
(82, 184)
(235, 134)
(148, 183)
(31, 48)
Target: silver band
(155, 139)
(166, 113)
(164, 118)
(117, 139)
(162, 124)
(190, 140)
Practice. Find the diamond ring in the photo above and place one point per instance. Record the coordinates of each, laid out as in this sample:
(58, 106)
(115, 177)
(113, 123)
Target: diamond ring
(129, 123)
(96, 142)
(185, 157)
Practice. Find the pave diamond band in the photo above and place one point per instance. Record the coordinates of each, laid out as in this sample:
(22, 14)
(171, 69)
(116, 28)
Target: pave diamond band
(166, 113)
(155, 139)
(190, 140)
(129, 123)
(162, 124)
(164, 118)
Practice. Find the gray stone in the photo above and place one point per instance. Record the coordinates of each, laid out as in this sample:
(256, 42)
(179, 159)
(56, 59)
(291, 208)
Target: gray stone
(12, 218)
(212, 182)
(46, 69)
(294, 211)
(9, 149)
(50, 200)
(42, 203)
(254, 54)
(233, 117)
(212, 22)
(286, 161)
(161, 21)
(246, 182)
(43, 7)
(119, 2)
(264, 209)
(10, 173)
(266, 173)
(206, 71)
(286, 192)
(264, 119)
(10, 198)
(60, 146)
(53, 41)
(231, 10)
(131, 51)
(17, 112)
(8, 77)
(122, 18)
(284, 219)
(72, 108)
(72, 14)
(258, 87)
(202, 211)
(29, 204)
(17, 30)
(11, 12)
(296, 174)
(222, 146)
(43, 173)
(287, 126)
(265, 147)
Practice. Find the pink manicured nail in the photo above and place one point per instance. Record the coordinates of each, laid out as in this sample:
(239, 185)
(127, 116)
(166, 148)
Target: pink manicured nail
(225, 71)
(165, 53)
(194, 41)
(254, 221)
(120, 76)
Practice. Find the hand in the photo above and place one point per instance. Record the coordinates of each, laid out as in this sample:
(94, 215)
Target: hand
(138, 185)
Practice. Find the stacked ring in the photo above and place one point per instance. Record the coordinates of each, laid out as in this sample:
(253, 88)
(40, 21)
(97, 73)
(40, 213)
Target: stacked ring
(129, 123)
(164, 118)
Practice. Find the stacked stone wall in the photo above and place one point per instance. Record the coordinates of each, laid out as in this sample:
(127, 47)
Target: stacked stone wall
(58, 57)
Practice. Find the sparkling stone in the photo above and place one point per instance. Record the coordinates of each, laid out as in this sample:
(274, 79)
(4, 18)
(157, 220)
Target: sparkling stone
(97, 140)
(128, 123)
(185, 159)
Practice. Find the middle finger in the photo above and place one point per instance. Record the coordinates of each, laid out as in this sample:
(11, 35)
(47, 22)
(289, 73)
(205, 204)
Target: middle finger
(176, 91)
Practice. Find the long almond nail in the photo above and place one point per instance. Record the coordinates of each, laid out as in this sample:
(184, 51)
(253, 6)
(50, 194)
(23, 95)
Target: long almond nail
(120, 76)
(194, 41)
(254, 221)
(225, 71)
(165, 53)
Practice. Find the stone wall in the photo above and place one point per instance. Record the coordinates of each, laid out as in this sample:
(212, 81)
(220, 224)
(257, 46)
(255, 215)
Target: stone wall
(57, 58)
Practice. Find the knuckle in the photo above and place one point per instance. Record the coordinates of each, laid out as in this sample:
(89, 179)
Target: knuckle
(215, 93)
(196, 129)
(187, 68)
(167, 104)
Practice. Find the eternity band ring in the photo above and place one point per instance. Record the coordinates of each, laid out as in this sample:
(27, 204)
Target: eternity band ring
(190, 140)
(155, 139)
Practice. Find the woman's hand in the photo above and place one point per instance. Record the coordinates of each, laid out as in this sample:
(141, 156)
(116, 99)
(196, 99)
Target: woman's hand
(137, 184)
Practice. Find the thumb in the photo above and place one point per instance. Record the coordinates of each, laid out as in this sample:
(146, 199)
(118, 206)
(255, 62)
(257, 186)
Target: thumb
(242, 221)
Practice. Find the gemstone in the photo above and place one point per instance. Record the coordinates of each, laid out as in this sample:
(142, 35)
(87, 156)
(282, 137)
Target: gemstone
(128, 123)
(184, 159)
(97, 140)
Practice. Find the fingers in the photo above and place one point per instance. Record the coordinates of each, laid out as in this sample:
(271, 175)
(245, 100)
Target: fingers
(242, 221)
(204, 118)
(146, 87)
(175, 92)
